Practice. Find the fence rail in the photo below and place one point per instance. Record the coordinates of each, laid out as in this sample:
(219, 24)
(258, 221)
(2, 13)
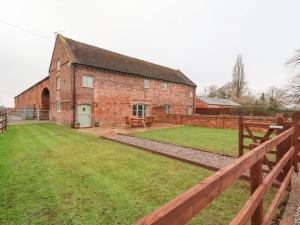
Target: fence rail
(27, 114)
(181, 209)
(3, 121)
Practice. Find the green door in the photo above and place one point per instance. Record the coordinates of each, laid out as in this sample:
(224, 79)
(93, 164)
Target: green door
(84, 115)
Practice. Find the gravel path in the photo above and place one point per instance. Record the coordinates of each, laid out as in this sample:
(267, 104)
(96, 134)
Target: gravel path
(297, 216)
(198, 157)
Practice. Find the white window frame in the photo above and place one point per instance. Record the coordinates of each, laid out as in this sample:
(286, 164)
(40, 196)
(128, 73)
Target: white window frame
(58, 83)
(167, 108)
(190, 110)
(164, 85)
(58, 106)
(87, 84)
(140, 110)
(146, 83)
(58, 65)
(191, 94)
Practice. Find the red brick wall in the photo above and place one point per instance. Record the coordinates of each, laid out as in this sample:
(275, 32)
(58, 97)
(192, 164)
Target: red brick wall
(114, 95)
(64, 94)
(200, 104)
(32, 97)
(216, 121)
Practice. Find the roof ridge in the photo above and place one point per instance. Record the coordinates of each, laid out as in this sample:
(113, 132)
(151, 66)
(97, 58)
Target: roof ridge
(142, 60)
(90, 55)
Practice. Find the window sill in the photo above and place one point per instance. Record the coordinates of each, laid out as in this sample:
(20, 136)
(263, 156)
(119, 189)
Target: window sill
(87, 87)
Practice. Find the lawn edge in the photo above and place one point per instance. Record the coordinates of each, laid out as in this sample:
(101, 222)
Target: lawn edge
(178, 145)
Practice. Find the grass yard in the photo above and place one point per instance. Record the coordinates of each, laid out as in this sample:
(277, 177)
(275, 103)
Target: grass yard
(217, 140)
(55, 175)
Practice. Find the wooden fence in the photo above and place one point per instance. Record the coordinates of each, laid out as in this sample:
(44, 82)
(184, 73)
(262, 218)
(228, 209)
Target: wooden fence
(3, 121)
(181, 209)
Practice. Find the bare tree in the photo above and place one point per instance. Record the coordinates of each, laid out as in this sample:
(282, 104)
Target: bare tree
(295, 60)
(294, 85)
(211, 91)
(276, 97)
(239, 84)
(225, 91)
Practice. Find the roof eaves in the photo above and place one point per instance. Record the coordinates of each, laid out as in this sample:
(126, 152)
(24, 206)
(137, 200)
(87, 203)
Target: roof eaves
(47, 77)
(135, 74)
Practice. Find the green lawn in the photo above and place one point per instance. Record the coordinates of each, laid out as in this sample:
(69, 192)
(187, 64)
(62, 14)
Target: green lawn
(223, 141)
(55, 175)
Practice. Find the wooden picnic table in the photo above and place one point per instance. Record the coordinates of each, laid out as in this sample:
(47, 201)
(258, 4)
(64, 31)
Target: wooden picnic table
(140, 122)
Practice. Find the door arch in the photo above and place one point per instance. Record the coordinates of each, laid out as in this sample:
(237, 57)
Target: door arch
(45, 103)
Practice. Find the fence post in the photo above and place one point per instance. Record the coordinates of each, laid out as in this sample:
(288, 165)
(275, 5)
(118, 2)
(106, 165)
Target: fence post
(5, 119)
(1, 122)
(38, 113)
(256, 179)
(295, 141)
(241, 136)
(283, 147)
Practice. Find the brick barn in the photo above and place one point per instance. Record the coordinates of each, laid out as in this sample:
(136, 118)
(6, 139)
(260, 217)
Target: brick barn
(90, 84)
(214, 106)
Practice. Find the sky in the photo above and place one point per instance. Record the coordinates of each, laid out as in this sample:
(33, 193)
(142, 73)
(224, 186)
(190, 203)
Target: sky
(201, 38)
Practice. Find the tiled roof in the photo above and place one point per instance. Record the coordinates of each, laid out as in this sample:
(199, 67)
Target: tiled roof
(89, 55)
(218, 101)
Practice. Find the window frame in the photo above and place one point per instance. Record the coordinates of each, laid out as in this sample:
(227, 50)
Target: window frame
(167, 108)
(58, 65)
(146, 83)
(140, 110)
(164, 85)
(83, 83)
(190, 110)
(191, 94)
(58, 83)
(58, 106)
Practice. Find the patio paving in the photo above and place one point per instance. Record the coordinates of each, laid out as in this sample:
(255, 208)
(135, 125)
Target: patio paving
(122, 129)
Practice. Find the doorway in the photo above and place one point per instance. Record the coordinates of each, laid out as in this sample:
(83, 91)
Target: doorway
(84, 115)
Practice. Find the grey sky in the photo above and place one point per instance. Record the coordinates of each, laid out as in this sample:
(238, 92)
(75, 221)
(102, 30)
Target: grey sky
(201, 38)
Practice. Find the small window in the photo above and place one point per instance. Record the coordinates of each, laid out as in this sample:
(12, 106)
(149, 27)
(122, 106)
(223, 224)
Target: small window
(57, 83)
(191, 94)
(146, 83)
(58, 107)
(167, 108)
(58, 65)
(87, 81)
(189, 110)
(139, 110)
(164, 85)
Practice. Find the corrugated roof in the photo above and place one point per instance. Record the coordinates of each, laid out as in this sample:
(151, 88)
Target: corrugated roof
(89, 55)
(218, 101)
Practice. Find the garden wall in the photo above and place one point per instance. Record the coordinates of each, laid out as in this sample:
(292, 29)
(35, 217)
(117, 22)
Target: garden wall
(212, 121)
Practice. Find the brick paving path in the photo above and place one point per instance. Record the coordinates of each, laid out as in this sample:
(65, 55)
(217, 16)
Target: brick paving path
(202, 158)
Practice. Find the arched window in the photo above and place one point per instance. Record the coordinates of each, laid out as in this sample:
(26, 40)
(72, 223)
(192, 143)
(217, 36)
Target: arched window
(139, 110)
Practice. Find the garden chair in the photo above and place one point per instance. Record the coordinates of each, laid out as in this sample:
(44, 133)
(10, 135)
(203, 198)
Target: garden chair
(149, 120)
(127, 121)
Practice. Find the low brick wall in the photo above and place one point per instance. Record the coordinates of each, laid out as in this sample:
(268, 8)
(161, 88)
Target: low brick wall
(212, 121)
